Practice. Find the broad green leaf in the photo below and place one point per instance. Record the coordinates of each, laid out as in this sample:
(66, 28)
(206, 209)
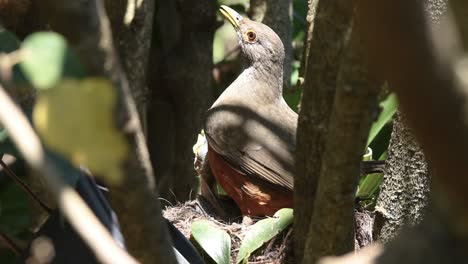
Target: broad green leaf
(47, 59)
(292, 98)
(389, 107)
(76, 119)
(369, 185)
(44, 58)
(214, 241)
(263, 231)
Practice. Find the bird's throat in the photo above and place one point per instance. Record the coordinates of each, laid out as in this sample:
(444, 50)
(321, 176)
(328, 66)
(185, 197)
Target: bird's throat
(267, 75)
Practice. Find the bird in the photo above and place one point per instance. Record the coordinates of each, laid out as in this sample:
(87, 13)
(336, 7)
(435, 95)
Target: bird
(250, 129)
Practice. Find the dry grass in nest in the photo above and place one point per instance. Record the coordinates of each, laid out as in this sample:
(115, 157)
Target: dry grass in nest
(277, 250)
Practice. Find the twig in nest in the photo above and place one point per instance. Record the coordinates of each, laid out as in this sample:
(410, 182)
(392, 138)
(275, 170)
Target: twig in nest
(270, 245)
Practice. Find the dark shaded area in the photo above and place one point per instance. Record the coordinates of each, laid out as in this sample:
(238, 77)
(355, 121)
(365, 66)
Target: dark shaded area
(70, 248)
(132, 40)
(433, 241)
(180, 81)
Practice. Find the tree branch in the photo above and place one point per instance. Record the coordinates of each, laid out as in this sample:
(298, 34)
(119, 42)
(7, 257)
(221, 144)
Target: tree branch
(70, 203)
(131, 24)
(331, 230)
(181, 94)
(332, 21)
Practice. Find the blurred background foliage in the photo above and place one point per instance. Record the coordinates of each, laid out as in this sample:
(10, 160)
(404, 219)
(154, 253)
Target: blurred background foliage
(16, 209)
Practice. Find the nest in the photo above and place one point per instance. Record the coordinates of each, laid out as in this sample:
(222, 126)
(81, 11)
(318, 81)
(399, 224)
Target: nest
(277, 250)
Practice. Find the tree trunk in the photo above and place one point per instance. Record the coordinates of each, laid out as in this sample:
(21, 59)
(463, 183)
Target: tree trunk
(404, 192)
(332, 21)
(132, 27)
(331, 230)
(433, 99)
(180, 83)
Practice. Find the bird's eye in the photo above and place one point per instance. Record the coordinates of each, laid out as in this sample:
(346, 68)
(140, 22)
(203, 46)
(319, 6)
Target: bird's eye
(251, 36)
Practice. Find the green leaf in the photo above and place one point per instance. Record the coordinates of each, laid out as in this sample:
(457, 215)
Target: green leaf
(389, 107)
(292, 98)
(369, 185)
(76, 119)
(44, 59)
(48, 59)
(214, 241)
(263, 231)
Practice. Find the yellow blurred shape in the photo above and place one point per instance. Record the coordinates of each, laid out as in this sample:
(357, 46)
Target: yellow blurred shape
(76, 119)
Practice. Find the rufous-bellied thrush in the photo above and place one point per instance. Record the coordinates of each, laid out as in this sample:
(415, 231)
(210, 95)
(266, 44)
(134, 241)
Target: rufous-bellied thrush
(251, 131)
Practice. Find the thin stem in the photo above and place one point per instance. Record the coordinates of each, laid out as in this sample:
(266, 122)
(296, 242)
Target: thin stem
(8, 242)
(24, 187)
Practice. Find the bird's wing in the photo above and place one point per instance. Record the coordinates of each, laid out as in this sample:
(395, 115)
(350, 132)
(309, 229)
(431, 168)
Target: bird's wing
(256, 160)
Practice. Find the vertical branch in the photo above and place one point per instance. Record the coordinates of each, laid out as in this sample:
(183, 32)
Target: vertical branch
(331, 229)
(131, 24)
(332, 20)
(86, 26)
(312, 11)
(181, 91)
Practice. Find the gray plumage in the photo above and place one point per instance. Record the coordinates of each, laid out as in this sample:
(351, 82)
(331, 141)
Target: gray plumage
(250, 125)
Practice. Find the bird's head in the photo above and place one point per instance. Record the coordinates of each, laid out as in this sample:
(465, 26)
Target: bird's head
(258, 42)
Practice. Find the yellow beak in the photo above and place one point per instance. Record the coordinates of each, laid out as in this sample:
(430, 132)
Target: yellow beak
(231, 15)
